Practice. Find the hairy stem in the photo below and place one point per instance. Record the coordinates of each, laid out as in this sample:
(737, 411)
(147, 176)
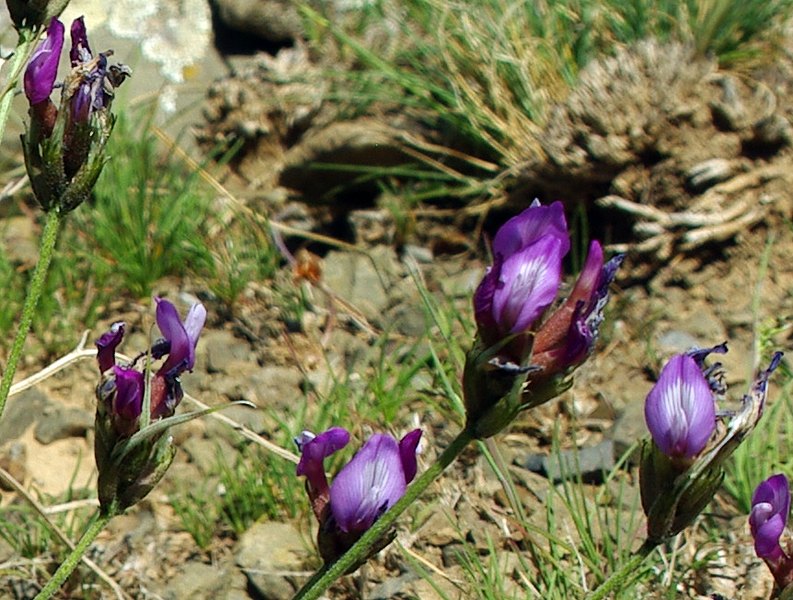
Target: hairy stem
(618, 579)
(75, 556)
(330, 573)
(48, 238)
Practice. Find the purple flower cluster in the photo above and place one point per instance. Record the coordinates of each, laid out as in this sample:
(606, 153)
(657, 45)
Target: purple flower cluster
(87, 89)
(524, 282)
(768, 522)
(366, 487)
(64, 144)
(522, 356)
(123, 387)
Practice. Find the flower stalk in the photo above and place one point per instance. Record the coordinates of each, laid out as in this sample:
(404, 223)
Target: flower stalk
(68, 566)
(48, 239)
(330, 572)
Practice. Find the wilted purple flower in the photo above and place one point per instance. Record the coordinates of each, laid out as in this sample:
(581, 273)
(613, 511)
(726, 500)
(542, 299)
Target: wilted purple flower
(568, 335)
(124, 386)
(364, 489)
(680, 410)
(40, 74)
(524, 278)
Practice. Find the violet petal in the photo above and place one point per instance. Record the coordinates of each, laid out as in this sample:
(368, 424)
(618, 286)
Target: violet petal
(680, 409)
(531, 279)
(314, 449)
(106, 346)
(526, 228)
(80, 51)
(128, 401)
(368, 485)
(42, 69)
(407, 453)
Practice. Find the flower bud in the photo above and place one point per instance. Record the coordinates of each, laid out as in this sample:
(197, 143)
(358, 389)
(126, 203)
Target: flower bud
(768, 522)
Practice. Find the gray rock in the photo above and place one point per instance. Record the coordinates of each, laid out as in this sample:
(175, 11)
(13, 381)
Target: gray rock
(275, 386)
(275, 21)
(220, 350)
(20, 413)
(592, 463)
(771, 133)
(629, 428)
(58, 423)
(269, 554)
(391, 588)
(361, 280)
(197, 580)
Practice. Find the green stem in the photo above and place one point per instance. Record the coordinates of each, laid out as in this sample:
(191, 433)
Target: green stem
(48, 238)
(618, 579)
(76, 555)
(27, 38)
(323, 578)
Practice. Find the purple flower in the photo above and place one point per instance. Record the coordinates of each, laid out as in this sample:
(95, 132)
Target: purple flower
(373, 480)
(767, 521)
(524, 278)
(40, 74)
(367, 486)
(680, 410)
(124, 386)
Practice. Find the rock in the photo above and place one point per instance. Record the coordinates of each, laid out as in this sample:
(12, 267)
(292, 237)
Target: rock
(19, 235)
(273, 21)
(219, 351)
(13, 458)
(371, 227)
(629, 428)
(770, 134)
(59, 423)
(197, 580)
(592, 463)
(439, 529)
(453, 554)
(392, 587)
(20, 413)
(362, 280)
(274, 386)
(264, 552)
(205, 453)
